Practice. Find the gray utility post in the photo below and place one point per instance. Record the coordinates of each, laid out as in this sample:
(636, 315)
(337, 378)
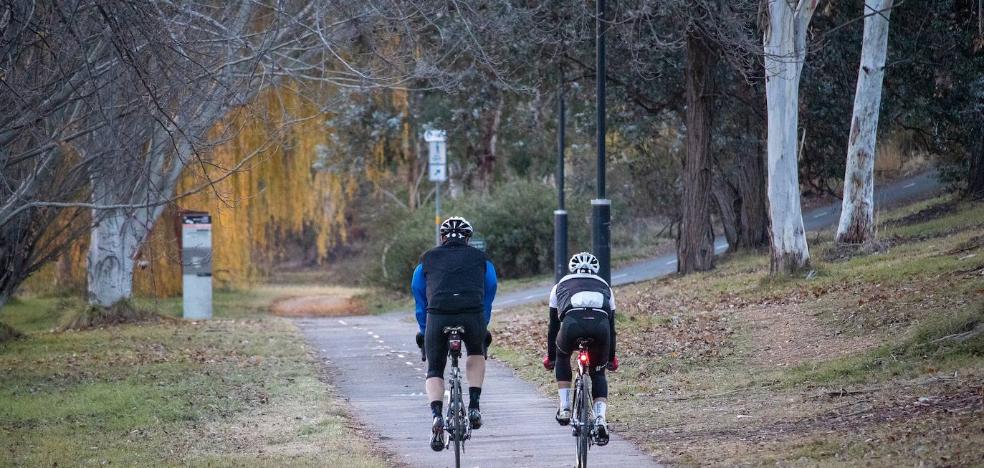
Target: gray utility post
(438, 172)
(560, 215)
(601, 208)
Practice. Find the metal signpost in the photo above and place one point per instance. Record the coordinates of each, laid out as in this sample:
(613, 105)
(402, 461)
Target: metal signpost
(196, 265)
(437, 168)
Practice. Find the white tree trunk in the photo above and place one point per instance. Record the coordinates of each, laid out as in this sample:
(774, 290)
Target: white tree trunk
(112, 248)
(858, 208)
(785, 51)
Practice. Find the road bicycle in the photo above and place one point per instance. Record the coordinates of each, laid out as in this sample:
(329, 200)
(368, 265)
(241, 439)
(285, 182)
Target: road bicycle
(582, 418)
(456, 422)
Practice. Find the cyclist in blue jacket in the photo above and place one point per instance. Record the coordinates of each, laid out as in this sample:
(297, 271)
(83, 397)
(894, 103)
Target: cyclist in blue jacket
(454, 285)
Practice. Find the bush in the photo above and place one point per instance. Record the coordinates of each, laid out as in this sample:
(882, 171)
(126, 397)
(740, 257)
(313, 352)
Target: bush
(516, 222)
(517, 225)
(394, 253)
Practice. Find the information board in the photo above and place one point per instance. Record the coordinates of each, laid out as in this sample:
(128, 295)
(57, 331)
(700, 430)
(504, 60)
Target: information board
(196, 265)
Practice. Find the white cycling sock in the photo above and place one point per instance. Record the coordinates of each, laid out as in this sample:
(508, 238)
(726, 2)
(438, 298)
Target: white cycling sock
(565, 398)
(600, 407)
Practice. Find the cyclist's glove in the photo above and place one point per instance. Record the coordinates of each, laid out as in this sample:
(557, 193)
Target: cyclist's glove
(613, 364)
(488, 339)
(420, 340)
(548, 363)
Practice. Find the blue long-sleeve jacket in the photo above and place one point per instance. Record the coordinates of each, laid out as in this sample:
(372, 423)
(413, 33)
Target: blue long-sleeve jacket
(419, 287)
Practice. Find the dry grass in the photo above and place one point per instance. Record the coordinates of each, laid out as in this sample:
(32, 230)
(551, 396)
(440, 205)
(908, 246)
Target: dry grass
(89, 317)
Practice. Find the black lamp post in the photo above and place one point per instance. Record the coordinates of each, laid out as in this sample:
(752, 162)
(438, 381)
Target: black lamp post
(560, 214)
(601, 208)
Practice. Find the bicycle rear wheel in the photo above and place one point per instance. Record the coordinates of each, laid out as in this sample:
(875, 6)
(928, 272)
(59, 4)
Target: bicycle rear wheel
(457, 426)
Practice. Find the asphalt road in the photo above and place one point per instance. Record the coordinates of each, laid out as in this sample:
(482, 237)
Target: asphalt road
(375, 364)
(911, 188)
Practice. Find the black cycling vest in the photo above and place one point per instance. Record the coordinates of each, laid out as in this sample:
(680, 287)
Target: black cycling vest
(455, 275)
(580, 292)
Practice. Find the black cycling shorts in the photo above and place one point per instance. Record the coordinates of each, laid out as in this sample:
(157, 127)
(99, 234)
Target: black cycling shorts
(580, 323)
(436, 342)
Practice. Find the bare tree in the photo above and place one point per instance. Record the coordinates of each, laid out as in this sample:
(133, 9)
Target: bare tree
(784, 40)
(858, 208)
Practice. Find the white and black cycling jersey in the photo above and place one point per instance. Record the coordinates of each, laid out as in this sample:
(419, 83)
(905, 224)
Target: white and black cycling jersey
(582, 291)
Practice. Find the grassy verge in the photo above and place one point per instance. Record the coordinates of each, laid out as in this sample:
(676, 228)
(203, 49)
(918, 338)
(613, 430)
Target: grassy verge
(238, 390)
(876, 358)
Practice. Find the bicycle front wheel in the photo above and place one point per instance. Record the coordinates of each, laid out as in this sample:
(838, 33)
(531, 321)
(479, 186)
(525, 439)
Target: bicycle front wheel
(582, 411)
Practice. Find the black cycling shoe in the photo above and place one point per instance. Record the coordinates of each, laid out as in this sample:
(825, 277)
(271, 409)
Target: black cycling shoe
(601, 431)
(437, 436)
(563, 416)
(475, 418)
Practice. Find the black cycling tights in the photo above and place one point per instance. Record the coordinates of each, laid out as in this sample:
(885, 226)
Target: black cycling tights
(599, 382)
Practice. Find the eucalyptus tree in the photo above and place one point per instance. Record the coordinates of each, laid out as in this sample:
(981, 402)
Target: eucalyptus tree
(856, 223)
(785, 44)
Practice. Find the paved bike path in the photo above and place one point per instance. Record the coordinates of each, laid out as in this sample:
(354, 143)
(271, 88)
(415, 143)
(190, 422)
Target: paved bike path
(376, 365)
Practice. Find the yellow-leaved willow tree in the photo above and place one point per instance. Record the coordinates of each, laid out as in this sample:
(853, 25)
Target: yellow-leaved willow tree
(283, 204)
(275, 203)
(275, 206)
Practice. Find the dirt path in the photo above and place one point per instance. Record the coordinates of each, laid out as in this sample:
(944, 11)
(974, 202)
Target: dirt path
(375, 364)
(787, 336)
(323, 305)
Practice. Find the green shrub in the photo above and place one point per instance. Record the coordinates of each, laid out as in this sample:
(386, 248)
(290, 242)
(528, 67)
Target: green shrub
(395, 252)
(516, 222)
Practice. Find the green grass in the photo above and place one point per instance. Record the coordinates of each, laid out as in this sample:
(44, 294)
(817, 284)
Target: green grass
(216, 393)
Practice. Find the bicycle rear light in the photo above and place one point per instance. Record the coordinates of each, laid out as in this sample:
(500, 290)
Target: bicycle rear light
(583, 357)
(456, 345)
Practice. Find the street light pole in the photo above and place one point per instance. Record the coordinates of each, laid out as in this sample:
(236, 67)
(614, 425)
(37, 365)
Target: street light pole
(560, 215)
(601, 207)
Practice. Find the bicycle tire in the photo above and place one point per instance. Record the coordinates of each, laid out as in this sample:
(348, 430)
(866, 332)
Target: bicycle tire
(457, 431)
(584, 417)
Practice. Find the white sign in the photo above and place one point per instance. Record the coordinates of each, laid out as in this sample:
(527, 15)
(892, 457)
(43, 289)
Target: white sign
(438, 152)
(435, 135)
(438, 155)
(438, 173)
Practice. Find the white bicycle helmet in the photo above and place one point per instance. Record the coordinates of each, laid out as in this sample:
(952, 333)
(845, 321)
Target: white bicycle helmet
(584, 262)
(456, 227)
